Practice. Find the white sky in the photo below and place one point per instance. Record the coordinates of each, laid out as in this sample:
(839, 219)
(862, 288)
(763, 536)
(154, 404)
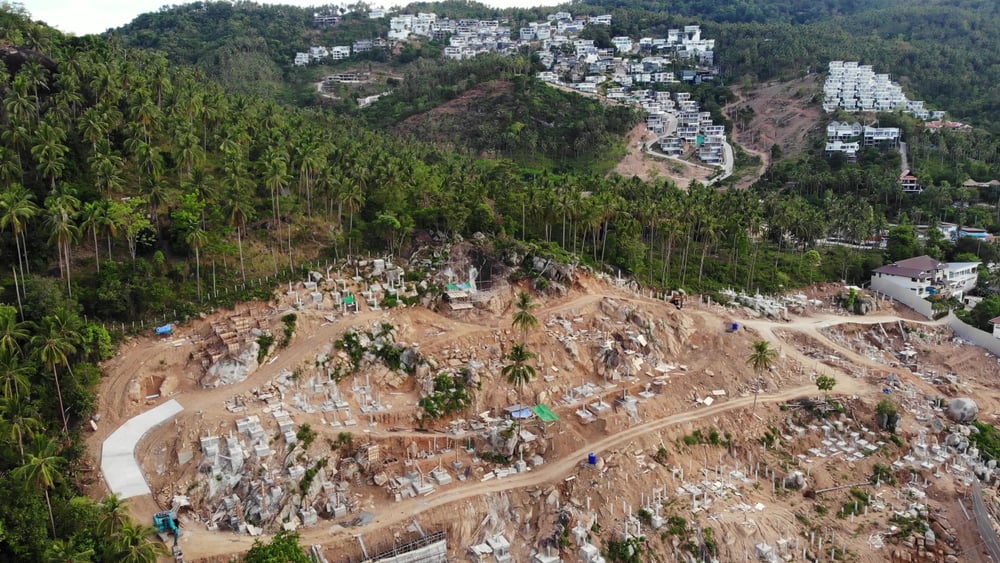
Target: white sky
(96, 16)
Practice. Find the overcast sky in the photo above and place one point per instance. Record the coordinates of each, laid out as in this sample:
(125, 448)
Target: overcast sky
(96, 16)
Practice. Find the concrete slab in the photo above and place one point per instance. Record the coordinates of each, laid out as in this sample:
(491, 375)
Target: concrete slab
(121, 470)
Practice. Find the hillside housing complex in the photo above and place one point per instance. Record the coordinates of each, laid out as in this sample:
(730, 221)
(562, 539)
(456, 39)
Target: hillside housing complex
(629, 71)
(855, 87)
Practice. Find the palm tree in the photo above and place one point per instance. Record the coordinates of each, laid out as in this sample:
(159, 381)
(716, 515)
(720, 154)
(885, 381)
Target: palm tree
(196, 239)
(20, 107)
(276, 178)
(10, 169)
(93, 217)
(19, 421)
(12, 333)
(114, 516)
(61, 209)
(68, 551)
(352, 196)
(519, 372)
(762, 358)
(523, 319)
(50, 152)
(54, 345)
(14, 376)
(16, 209)
(41, 470)
(240, 211)
(134, 544)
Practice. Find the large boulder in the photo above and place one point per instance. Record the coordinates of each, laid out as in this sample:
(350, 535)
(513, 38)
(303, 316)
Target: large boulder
(962, 410)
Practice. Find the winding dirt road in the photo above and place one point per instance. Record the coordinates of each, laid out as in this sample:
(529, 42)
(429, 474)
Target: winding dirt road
(205, 544)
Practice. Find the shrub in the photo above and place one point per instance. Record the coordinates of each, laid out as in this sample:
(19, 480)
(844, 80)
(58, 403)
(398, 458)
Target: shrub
(264, 341)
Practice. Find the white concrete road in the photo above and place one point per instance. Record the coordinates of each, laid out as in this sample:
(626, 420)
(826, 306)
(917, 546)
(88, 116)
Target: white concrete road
(728, 161)
(118, 464)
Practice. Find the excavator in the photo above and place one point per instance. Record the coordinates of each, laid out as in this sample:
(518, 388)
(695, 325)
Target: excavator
(166, 523)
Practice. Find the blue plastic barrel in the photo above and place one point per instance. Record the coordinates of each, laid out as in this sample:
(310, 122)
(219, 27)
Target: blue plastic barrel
(736, 327)
(592, 459)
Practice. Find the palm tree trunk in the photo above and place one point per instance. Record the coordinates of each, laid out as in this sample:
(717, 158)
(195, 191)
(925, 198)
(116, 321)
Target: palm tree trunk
(350, 230)
(197, 262)
(564, 230)
(20, 264)
(62, 409)
(52, 520)
(239, 241)
(69, 285)
(97, 252)
(604, 240)
(701, 266)
(24, 248)
(684, 258)
(523, 237)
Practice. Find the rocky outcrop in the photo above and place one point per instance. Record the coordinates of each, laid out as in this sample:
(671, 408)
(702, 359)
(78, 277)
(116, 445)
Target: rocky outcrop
(962, 410)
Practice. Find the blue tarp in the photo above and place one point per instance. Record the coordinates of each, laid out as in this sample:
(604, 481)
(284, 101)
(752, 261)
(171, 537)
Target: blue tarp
(165, 329)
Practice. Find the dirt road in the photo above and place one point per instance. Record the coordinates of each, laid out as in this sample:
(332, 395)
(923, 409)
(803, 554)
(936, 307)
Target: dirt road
(202, 543)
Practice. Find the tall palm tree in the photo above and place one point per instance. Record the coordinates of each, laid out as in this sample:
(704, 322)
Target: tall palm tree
(276, 178)
(762, 358)
(61, 208)
(54, 345)
(523, 319)
(352, 197)
(50, 152)
(114, 515)
(519, 372)
(10, 168)
(134, 544)
(14, 376)
(240, 211)
(12, 332)
(196, 239)
(42, 470)
(20, 107)
(93, 215)
(18, 420)
(16, 209)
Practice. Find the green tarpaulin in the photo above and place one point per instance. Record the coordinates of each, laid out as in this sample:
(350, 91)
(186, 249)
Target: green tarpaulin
(544, 413)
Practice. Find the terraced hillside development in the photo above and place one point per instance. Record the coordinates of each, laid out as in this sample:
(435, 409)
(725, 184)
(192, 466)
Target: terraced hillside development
(644, 419)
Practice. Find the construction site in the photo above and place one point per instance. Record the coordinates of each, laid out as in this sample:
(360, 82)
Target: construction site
(369, 409)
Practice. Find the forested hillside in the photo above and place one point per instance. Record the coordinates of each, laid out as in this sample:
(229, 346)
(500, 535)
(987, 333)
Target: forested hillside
(492, 105)
(245, 46)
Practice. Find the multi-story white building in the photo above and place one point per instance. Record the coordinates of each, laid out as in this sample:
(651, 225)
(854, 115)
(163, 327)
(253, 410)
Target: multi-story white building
(843, 131)
(622, 44)
(924, 276)
(340, 52)
(855, 87)
(880, 136)
(318, 52)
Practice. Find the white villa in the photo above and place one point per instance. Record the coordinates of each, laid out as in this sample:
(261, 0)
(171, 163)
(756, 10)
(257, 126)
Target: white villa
(924, 276)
